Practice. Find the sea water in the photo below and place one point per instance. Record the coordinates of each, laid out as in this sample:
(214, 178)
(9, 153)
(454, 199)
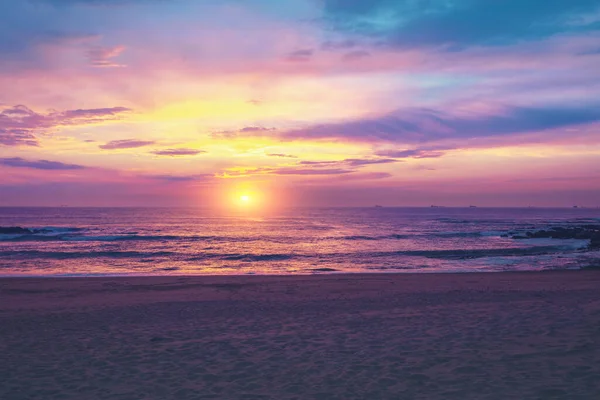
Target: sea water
(151, 241)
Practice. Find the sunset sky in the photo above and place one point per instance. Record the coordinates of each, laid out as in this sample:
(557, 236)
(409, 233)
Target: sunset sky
(300, 102)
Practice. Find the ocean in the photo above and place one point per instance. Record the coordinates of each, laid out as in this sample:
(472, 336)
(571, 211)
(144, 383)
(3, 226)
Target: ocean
(70, 241)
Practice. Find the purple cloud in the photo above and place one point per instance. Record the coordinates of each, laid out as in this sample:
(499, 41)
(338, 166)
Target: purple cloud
(319, 163)
(358, 162)
(19, 125)
(415, 153)
(180, 178)
(331, 45)
(300, 55)
(356, 55)
(426, 125)
(248, 130)
(18, 162)
(350, 162)
(17, 137)
(178, 152)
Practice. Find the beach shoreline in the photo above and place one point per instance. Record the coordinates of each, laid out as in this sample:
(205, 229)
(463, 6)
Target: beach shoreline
(348, 336)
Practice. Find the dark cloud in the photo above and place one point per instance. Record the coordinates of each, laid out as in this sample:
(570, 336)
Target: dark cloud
(125, 144)
(281, 155)
(178, 152)
(300, 55)
(409, 23)
(426, 125)
(19, 125)
(18, 162)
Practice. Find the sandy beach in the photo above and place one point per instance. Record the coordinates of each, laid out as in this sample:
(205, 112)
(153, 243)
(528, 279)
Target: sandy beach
(379, 336)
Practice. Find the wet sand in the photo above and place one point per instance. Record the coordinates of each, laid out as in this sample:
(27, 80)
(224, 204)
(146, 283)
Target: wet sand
(402, 336)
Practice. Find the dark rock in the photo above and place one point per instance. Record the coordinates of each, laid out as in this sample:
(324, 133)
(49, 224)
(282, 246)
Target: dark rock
(14, 230)
(595, 241)
(592, 267)
(583, 232)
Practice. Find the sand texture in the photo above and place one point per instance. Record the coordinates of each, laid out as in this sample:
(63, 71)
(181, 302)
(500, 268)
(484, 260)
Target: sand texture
(438, 336)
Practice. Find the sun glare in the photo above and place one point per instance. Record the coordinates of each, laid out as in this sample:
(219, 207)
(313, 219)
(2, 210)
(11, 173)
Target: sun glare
(245, 198)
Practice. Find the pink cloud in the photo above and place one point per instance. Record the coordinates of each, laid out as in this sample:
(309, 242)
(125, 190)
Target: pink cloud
(103, 56)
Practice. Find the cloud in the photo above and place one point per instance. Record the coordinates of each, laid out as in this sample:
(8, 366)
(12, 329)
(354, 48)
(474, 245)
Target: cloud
(314, 168)
(363, 176)
(17, 137)
(332, 45)
(178, 152)
(96, 2)
(310, 171)
(415, 153)
(19, 125)
(591, 52)
(319, 163)
(300, 55)
(103, 56)
(248, 130)
(349, 162)
(125, 144)
(459, 23)
(18, 162)
(180, 178)
(281, 155)
(425, 125)
(356, 55)
(358, 162)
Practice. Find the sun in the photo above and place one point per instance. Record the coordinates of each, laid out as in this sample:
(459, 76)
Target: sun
(245, 199)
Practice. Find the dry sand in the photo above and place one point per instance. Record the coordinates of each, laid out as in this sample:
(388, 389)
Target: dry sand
(438, 336)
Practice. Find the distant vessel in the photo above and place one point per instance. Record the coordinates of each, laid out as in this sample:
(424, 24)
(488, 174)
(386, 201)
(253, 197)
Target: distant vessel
(378, 206)
(472, 206)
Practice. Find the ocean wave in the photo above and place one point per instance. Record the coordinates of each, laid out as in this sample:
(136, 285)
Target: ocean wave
(68, 255)
(455, 254)
(479, 253)
(257, 257)
(64, 237)
(424, 235)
